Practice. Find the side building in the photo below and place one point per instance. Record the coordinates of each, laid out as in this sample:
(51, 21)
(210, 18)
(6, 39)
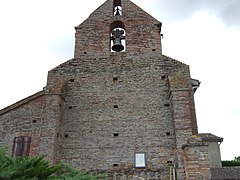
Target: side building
(119, 106)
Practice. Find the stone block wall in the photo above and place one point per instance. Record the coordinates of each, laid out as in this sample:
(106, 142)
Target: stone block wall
(117, 105)
(102, 107)
(93, 35)
(225, 173)
(22, 119)
(182, 103)
(38, 117)
(51, 136)
(196, 159)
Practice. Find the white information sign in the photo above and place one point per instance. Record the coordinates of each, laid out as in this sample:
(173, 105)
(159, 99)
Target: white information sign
(140, 160)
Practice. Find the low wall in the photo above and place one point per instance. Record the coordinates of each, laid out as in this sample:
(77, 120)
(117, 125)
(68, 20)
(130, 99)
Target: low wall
(226, 173)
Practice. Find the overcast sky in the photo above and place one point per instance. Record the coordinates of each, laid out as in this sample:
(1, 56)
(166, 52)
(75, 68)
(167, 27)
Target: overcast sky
(36, 36)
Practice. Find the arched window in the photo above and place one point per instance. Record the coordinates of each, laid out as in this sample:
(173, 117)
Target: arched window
(117, 8)
(117, 36)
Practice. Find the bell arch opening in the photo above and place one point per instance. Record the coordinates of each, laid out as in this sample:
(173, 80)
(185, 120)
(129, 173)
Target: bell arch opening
(117, 37)
(117, 8)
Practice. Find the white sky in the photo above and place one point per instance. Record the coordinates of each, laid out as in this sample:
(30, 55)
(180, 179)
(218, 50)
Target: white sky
(36, 36)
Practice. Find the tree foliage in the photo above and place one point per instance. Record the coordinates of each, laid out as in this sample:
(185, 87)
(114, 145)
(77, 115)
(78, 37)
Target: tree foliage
(237, 158)
(235, 162)
(36, 168)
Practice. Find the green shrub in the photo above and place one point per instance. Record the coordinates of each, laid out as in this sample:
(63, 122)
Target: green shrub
(231, 163)
(36, 168)
(25, 168)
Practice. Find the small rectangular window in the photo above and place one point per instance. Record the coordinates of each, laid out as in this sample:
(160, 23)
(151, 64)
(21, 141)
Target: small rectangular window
(140, 160)
(21, 146)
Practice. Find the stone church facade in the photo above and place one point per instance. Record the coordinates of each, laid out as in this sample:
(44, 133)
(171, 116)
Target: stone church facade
(119, 106)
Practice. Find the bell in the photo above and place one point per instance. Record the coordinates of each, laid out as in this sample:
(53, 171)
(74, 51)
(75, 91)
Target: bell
(117, 45)
(117, 12)
(117, 35)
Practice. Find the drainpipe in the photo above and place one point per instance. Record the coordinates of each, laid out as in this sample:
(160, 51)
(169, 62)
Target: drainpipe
(174, 171)
(170, 173)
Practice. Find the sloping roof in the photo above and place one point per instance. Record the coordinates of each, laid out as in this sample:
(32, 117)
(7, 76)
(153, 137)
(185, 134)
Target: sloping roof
(210, 137)
(167, 58)
(21, 102)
